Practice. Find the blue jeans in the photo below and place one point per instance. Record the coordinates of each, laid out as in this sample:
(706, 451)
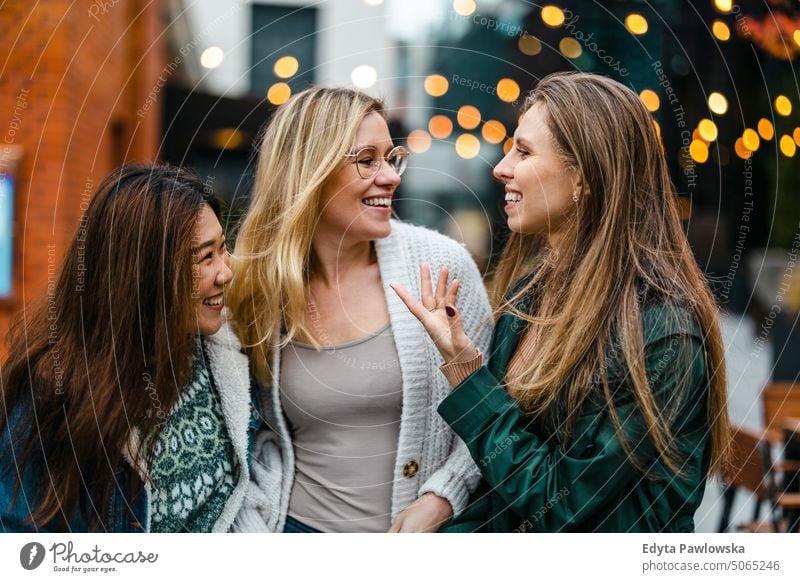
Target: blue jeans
(294, 526)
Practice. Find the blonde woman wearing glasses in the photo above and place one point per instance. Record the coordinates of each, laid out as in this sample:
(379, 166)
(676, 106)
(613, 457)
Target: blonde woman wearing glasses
(349, 380)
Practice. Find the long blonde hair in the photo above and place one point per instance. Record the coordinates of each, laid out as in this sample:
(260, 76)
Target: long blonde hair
(302, 147)
(626, 234)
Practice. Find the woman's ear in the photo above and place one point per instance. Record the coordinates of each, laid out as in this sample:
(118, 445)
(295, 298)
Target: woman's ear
(579, 184)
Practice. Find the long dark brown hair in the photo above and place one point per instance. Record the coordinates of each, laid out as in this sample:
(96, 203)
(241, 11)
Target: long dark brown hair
(626, 233)
(109, 348)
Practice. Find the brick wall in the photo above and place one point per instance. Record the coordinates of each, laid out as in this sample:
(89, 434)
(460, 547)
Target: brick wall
(72, 77)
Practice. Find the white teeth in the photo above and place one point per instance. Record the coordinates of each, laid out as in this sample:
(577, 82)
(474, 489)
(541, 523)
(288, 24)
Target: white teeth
(377, 201)
(213, 301)
(513, 197)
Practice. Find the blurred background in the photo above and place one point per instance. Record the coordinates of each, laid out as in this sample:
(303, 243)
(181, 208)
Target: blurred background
(86, 86)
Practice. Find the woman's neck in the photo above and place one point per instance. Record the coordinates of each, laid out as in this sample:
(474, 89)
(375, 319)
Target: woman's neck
(334, 260)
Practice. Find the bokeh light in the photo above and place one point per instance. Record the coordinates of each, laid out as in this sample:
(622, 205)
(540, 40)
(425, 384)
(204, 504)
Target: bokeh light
(285, 67)
(699, 151)
(721, 30)
(279, 93)
(765, 129)
(530, 45)
(464, 7)
(467, 146)
(436, 85)
(788, 147)
(552, 16)
(750, 139)
(650, 99)
(440, 126)
(212, 57)
(468, 117)
(783, 106)
(419, 141)
(636, 23)
(570, 47)
(364, 76)
(708, 130)
(493, 131)
(718, 103)
(508, 90)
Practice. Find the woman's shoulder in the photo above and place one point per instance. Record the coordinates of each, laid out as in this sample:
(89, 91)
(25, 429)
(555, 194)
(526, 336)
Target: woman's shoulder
(666, 317)
(227, 337)
(431, 245)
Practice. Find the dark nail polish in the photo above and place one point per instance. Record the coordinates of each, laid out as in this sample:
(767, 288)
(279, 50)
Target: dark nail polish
(450, 311)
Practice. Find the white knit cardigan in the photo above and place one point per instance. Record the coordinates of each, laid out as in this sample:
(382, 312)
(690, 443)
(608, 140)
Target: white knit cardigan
(444, 463)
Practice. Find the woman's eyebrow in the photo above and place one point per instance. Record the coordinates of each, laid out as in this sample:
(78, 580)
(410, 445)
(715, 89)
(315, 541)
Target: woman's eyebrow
(358, 147)
(208, 243)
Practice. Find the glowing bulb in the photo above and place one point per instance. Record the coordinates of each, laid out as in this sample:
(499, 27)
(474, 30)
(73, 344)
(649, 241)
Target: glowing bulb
(364, 76)
(552, 16)
(788, 147)
(570, 48)
(419, 141)
(699, 151)
(507, 90)
(212, 57)
(650, 99)
(285, 67)
(721, 30)
(718, 103)
(279, 93)
(708, 130)
(468, 117)
(741, 150)
(467, 146)
(782, 105)
(530, 45)
(436, 85)
(724, 6)
(464, 7)
(765, 129)
(440, 126)
(493, 131)
(636, 23)
(750, 139)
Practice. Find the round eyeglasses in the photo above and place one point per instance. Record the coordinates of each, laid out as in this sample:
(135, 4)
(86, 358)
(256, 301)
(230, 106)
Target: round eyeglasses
(368, 161)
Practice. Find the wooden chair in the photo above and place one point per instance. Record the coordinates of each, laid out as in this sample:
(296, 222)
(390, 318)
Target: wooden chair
(775, 482)
(781, 402)
(750, 469)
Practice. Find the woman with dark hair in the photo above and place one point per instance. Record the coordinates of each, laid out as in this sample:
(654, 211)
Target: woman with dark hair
(120, 411)
(602, 406)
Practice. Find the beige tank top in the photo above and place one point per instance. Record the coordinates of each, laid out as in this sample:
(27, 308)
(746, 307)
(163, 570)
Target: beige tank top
(343, 404)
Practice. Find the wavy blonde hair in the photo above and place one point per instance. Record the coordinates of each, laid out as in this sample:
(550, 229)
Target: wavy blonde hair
(626, 232)
(302, 147)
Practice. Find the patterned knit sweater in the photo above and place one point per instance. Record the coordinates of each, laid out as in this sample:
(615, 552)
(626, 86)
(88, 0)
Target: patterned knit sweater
(193, 469)
(429, 457)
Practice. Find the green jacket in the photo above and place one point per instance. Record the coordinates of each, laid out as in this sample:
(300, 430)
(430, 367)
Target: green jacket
(530, 484)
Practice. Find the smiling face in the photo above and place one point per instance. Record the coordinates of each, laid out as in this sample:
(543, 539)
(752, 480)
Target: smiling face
(210, 270)
(539, 186)
(353, 207)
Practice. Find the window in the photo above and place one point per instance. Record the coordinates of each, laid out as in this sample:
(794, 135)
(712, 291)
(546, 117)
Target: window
(282, 31)
(8, 159)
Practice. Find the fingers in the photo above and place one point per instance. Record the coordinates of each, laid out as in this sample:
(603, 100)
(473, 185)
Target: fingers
(415, 307)
(452, 293)
(463, 348)
(428, 300)
(441, 286)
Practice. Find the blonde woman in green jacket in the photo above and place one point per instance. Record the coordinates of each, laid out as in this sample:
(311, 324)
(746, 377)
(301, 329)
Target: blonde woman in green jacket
(602, 403)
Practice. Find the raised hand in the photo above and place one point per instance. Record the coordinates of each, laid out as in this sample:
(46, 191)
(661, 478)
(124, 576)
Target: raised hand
(437, 313)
